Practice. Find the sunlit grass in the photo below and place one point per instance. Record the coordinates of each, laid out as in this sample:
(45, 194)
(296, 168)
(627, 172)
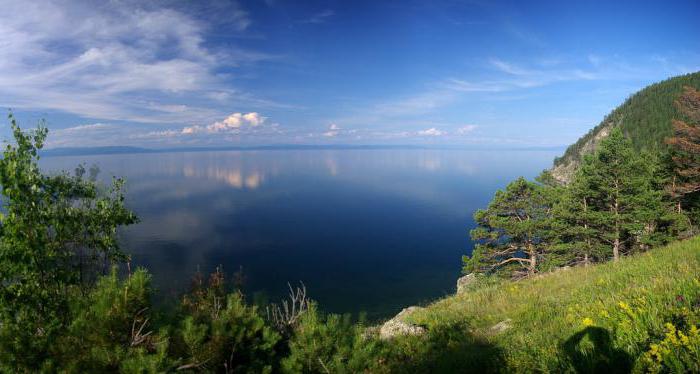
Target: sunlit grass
(627, 299)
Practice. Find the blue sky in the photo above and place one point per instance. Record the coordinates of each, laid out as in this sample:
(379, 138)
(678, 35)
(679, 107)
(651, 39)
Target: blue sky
(473, 73)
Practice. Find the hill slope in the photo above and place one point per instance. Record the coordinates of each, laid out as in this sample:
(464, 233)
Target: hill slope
(645, 118)
(623, 306)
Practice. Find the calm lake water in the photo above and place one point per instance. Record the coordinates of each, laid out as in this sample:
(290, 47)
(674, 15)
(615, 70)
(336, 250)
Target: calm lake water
(365, 230)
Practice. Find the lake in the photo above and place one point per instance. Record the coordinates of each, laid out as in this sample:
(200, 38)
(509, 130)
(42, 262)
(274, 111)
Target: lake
(371, 230)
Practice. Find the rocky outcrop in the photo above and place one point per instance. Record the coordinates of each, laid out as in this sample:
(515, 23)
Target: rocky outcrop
(564, 171)
(501, 326)
(465, 281)
(398, 326)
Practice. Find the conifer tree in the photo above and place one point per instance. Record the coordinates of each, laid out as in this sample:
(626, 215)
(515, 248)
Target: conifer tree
(622, 206)
(513, 232)
(574, 222)
(685, 148)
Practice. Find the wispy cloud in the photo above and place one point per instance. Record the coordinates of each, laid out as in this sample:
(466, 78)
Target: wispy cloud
(431, 132)
(119, 61)
(320, 17)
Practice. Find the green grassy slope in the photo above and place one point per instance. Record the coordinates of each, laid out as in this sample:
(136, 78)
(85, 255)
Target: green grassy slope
(645, 117)
(628, 302)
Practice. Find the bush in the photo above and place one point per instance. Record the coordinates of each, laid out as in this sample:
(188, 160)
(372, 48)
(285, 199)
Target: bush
(110, 329)
(330, 344)
(219, 333)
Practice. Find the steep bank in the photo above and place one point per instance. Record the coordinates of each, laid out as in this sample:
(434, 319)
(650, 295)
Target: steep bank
(644, 117)
(533, 324)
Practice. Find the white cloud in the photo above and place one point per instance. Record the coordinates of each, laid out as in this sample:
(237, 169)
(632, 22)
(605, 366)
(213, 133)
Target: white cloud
(432, 132)
(320, 17)
(232, 123)
(333, 131)
(466, 129)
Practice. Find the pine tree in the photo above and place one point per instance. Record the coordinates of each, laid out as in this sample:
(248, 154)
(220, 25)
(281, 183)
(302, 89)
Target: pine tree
(622, 206)
(574, 219)
(513, 232)
(685, 148)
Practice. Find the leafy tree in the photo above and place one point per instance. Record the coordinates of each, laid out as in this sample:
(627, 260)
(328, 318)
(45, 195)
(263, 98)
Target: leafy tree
(56, 234)
(513, 233)
(685, 148)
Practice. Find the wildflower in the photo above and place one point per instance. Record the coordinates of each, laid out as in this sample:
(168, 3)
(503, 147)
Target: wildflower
(587, 322)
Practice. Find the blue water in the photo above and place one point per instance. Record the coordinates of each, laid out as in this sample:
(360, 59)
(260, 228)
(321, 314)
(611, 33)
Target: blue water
(365, 230)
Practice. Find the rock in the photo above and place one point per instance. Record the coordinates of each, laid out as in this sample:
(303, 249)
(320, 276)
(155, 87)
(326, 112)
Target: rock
(398, 326)
(465, 281)
(501, 326)
(563, 268)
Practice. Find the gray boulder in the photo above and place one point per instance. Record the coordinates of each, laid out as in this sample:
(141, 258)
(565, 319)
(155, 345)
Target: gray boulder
(398, 325)
(502, 326)
(465, 281)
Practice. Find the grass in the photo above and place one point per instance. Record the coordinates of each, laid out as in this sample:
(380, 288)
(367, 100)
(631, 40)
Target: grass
(572, 319)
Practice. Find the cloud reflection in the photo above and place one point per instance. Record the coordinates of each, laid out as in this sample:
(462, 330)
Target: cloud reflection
(234, 176)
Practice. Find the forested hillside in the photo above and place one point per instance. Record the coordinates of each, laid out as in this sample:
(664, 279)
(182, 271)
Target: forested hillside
(645, 118)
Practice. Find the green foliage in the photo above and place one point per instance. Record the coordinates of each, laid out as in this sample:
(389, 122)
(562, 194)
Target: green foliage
(56, 232)
(678, 352)
(513, 232)
(330, 344)
(613, 196)
(220, 333)
(110, 329)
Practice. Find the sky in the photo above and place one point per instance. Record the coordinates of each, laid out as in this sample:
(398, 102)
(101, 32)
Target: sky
(164, 74)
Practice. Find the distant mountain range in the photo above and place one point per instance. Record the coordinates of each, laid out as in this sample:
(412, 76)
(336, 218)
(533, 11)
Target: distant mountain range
(113, 150)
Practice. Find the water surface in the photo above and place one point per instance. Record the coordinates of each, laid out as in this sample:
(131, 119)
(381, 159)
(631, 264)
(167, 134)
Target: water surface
(365, 230)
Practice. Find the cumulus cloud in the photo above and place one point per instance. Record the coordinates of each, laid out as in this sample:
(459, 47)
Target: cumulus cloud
(232, 123)
(432, 132)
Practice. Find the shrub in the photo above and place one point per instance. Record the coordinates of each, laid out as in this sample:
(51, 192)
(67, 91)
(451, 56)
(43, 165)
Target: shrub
(111, 329)
(220, 333)
(330, 344)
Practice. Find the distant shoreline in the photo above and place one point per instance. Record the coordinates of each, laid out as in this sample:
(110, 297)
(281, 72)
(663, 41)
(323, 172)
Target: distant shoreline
(115, 150)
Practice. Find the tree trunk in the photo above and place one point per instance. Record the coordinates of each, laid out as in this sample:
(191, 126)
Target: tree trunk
(616, 243)
(533, 260)
(588, 238)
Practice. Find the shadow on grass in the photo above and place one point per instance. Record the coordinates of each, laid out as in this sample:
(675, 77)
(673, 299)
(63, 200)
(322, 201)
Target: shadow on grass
(591, 350)
(447, 349)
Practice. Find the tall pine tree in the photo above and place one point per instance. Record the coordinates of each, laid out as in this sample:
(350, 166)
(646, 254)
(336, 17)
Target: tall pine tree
(619, 204)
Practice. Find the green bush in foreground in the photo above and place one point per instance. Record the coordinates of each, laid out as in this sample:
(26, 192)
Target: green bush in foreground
(111, 329)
